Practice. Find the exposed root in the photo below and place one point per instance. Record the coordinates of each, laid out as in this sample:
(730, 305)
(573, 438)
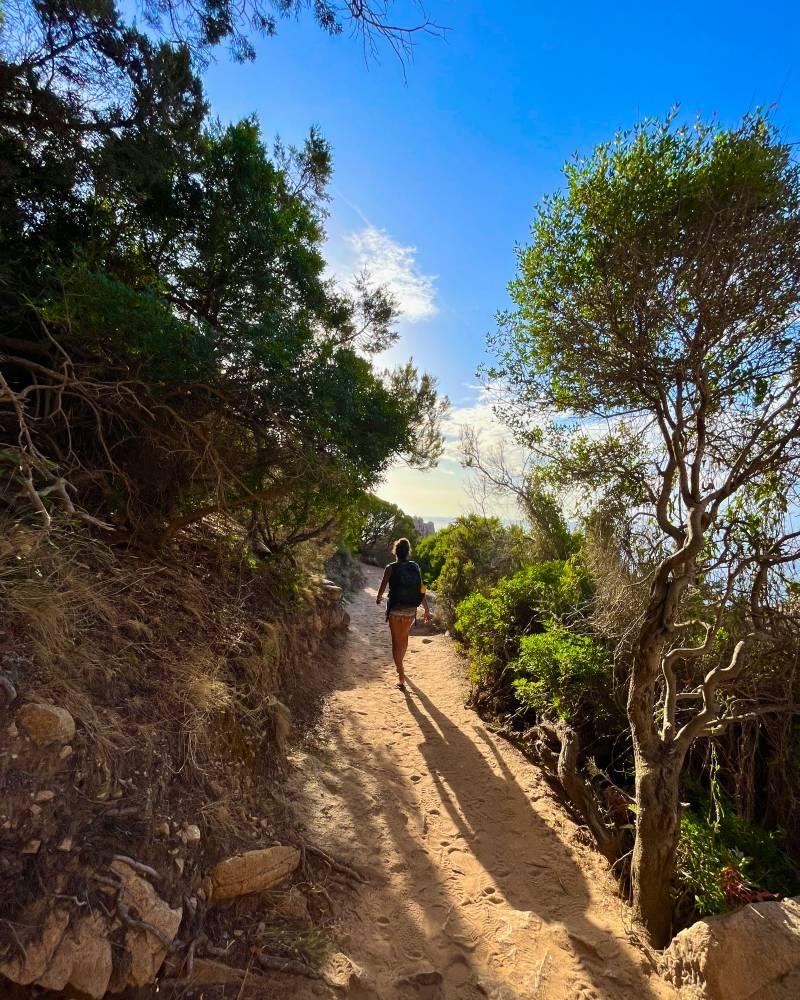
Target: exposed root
(277, 963)
(337, 866)
(138, 866)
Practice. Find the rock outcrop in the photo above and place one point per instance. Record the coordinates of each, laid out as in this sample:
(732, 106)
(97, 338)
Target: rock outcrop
(750, 954)
(333, 613)
(253, 871)
(75, 950)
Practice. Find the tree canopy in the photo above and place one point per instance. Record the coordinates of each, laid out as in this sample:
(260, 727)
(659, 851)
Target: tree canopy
(651, 363)
(171, 344)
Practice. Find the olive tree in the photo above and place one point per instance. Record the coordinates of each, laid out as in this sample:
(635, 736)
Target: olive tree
(651, 361)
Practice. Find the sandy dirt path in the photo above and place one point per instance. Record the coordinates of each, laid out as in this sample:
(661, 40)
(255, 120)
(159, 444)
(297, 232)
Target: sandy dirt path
(481, 885)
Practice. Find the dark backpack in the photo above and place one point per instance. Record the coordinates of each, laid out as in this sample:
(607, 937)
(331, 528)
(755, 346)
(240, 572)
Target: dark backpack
(405, 585)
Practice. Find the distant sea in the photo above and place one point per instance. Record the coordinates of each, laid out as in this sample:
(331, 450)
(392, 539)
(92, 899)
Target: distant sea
(440, 522)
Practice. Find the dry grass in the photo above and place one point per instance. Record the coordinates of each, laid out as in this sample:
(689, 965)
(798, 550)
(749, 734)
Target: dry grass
(178, 672)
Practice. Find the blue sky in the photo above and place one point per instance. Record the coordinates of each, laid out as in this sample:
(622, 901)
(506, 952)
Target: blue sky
(436, 176)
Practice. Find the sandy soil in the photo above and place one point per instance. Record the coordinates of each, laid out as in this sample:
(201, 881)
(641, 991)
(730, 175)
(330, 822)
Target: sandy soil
(477, 873)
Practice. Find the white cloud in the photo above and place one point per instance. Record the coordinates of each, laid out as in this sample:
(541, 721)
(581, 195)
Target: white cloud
(447, 490)
(391, 265)
(478, 415)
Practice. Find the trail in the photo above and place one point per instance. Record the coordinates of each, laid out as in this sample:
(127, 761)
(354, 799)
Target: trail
(477, 873)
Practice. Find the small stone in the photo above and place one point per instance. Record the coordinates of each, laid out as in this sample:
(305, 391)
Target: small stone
(12, 730)
(238, 933)
(35, 810)
(190, 834)
(46, 723)
(32, 847)
(342, 972)
(45, 796)
(65, 845)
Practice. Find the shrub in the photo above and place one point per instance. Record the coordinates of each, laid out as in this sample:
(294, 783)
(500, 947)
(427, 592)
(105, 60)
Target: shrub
(562, 671)
(478, 552)
(708, 843)
(492, 625)
(431, 553)
(373, 525)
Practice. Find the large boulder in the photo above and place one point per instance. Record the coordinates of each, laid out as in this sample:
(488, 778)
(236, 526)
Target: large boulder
(46, 723)
(253, 871)
(752, 953)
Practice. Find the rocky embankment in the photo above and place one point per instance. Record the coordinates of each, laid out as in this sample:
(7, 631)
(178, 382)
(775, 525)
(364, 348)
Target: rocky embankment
(128, 834)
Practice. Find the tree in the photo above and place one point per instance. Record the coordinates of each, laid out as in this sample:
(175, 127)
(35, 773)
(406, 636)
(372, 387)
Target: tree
(171, 347)
(207, 23)
(655, 327)
(375, 524)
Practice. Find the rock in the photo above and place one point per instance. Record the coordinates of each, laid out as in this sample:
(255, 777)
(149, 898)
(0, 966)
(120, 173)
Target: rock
(190, 834)
(253, 871)
(146, 949)
(752, 953)
(83, 959)
(342, 972)
(8, 692)
(35, 810)
(44, 796)
(331, 591)
(46, 723)
(38, 954)
(12, 730)
(424, 977)
(66, 752)
(32, 847)
(65, 845)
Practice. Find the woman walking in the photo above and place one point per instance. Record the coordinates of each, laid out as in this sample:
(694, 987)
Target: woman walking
(406, 592)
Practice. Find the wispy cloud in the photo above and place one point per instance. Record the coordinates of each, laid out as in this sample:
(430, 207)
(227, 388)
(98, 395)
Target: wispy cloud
(477, 414)
(391, 265)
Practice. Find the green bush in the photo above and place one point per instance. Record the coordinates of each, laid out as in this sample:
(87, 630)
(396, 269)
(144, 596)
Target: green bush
(472, 555)
(562, 671)
(491, 625)
(712, 839)
(431, 553)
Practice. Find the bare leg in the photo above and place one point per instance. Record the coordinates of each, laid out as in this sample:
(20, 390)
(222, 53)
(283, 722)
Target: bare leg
(399, 627)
